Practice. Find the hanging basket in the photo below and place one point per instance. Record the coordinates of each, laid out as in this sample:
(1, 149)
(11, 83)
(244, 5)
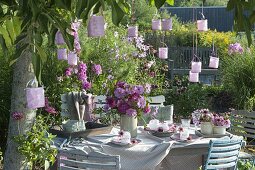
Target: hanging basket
(156, 24)
(202, 25)
(72, 58)
(62, 54)
(214, 62)
(34, 96)
(166, 24)
(196, 66)
(132, 31)
(96, 26)
(193, 77)
(59, 40)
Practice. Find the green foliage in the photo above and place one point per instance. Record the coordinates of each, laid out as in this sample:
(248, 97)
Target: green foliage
(185, 3)
(245, 165)
(1, 158)
(238, 76)
(35, 144)
(186, 97)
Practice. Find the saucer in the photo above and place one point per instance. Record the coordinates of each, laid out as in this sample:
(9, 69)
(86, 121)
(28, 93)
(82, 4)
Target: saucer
(133, 141)
(176, 137)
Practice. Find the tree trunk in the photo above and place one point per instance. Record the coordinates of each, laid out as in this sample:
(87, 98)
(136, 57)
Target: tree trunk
(23, 72)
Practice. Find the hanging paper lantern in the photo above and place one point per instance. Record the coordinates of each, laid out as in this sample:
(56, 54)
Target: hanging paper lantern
(193, 77)
(202, 25)
(214, 62)
(96, 26)
(59, 40)
(156, 24)
(72, 58)
(62, 54)
(167, 24)
(196, 67)
(35, 97)
(132, 31)
(163, 53)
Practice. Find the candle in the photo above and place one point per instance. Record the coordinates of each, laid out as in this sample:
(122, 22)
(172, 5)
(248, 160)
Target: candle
(62, 54)
(214, 62)
(96, 26)
(196, 67)
(163, 53)
(132, 31)
(167, 24)
(202, 25)
(156, 24)
(72, 58)
(193, 77)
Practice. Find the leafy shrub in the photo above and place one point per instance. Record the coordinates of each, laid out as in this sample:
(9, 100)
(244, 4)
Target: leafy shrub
(245, 165)
(35, 145)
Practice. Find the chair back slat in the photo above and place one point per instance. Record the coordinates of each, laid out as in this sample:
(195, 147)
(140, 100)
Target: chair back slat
(243, 123)
(74, 158)
(157, 100)
(223, 153)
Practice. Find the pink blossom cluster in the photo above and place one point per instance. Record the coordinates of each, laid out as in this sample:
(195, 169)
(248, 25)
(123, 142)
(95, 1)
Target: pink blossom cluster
(128, 99)
(17, 115)
(206, 115)
(235, 49)
(49, 108)
(221, 121)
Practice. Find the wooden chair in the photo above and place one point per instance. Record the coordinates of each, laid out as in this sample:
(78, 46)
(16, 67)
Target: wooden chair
(243, 124)
(157, 100)
(75, 159)
(223, 153)
(100, 101)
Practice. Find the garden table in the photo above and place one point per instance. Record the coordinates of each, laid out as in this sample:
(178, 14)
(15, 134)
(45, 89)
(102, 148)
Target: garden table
(151, 153)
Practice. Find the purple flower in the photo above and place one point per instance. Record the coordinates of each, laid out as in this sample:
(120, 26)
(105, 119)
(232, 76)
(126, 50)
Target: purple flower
(82, 76)
(86, 85)
(123, 107)
(121, 84)
(119, 92)
(110, 77)
(235, 49)
(17, 115)
(106, 107)
(141, 102)
(111, 102)
(46, 102)
(76, 25)
(77, 46)
(68, 71)
(131, 112)
(50, 110)
(97, 69)
(147, 109)
(147, 88)
(155, 111)
(139, 89)
(82, 67)
(152, 74)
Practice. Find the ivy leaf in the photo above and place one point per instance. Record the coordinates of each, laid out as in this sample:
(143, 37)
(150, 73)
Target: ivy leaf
(170, 2)
(117, 13)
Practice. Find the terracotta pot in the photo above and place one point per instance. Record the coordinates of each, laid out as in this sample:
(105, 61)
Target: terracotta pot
(62, 54)
(163, 53)
(219, 130)
(59, 40)
(196, 67)
(166, 24)
(193, 77)
(96, 26)
(132, 31)
(202, 25)
(35, 97)
(156, 24)
(129, 123)
(214, 62)
(206, 128)
(72, 58)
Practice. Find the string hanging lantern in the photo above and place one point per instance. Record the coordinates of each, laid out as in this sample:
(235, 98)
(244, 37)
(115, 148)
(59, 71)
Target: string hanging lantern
(155, 22)
(163, 52)
(96, 26)
(202, 24)
(214, 60)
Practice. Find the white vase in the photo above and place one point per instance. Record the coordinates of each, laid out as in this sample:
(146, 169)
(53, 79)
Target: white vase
(219, 130)
(206, 128)
(129, 123)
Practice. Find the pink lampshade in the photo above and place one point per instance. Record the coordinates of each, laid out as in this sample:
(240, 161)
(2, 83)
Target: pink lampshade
(193, 77)
(202, 25)
(196, 67)
(72, 58)
(156, 24)
(62, 54)
(59, 40)
(35, 97)
(163, 53)
(96, 26)
(166, 24)
(132, 31)
(214, 62)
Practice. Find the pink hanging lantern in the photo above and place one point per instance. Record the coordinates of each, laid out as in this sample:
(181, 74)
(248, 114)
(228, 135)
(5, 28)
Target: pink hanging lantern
(59, 40)
(156, 24)
(34, 95)
(167, 24)
(96, 26)
(62, 54)
(132, 31)
(193, 77)
(163, 53)
(72, 58)
(196, 67)
(214, 62)
(202, 25)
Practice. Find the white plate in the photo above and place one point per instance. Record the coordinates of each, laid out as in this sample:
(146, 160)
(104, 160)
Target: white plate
(132, 142)
(176, 137)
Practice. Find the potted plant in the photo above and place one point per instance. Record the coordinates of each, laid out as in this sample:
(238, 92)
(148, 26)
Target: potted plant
(206, 121)
(220, 123)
